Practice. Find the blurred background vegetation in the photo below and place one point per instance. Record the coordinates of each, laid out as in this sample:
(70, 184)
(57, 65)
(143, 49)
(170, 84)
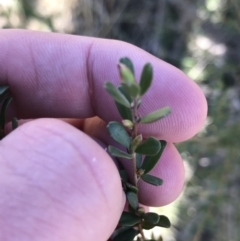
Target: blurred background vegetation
(202, 38)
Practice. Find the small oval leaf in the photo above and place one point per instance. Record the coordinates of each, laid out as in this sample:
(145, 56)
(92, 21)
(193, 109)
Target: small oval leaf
(118, 153)
(136, 142)
(124, 111)
(147, 226)
(151, 218)
(152, 180)
(149, 147)
(119, 133)
(116, 94)
(131, 188)
(127, 123)
(141, 211)
(129, 219)
(132, 199)
(126, 235)
(123, 175)
(126, 74)
(128, 81)
(132, 89)
(126, 61)
(146, 78)
(3, 89)
(131, 209)
(156, 115)
(138, 160)
(121, 89)
(5, 104)
(118, 231)
(14, 123)
(150, 161)
(164, 222)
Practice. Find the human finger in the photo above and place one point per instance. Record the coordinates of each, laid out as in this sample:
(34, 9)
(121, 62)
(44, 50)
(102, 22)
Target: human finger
(56, 75)
(56, 184)
(170, 168)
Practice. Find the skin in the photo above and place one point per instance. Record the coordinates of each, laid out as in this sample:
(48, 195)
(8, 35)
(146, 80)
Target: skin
(57, 183)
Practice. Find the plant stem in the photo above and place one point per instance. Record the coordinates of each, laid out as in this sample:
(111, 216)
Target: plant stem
(135, 170)
(134, 134)
(135, 118)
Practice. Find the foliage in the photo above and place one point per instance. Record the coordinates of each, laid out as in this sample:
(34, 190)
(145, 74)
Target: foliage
(128, 99)
(176, 32)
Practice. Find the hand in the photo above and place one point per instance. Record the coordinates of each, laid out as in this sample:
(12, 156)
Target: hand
(57, 183)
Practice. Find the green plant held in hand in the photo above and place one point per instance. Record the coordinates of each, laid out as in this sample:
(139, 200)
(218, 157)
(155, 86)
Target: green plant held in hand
(142, 153)
(128, 99)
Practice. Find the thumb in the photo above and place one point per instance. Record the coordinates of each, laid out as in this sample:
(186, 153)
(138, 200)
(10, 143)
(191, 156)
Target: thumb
(56, 184)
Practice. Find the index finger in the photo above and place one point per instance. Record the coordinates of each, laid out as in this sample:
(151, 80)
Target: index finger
(62, 76)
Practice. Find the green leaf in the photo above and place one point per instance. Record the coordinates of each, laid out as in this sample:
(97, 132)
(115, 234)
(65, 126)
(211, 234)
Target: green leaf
(146, 78)
(116, 94)
(14, 123)
(132, 89)
(121, 89)
(119, 133)
(150, 161)
(3, 112)
(4, 93)
(131, 188)
(152, 180)
(151, 218)
(131, 209)
(128, 81)
(141, 211)
(136, 142)
(123, 175)
(126, 235)
(156, 115)
(127, 123)
(3, 89)
(132, 199)
(128, 63)
(118, 153)
(138, 160)
(149, 147)
(164, 222)
(126, 74)
(129, 219)
(147, 226)
(125, 112)
(118, 231)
